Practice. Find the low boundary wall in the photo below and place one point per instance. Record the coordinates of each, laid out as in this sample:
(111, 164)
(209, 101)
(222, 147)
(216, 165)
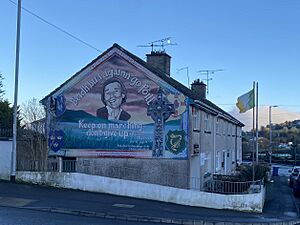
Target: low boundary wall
(247, 202)
(5, 159)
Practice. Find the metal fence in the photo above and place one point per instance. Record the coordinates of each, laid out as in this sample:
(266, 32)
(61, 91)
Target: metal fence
(49, 165)
(233, 187)
(69, 166)
(6, 133)
(37, 165)
(21, 133)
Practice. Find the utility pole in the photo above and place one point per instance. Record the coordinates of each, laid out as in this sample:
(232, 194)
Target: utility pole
(15, 119)
(187, 74)
(270, 133)
(207, 73)
(295, 150)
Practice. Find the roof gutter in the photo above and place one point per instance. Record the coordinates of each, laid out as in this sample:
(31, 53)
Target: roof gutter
(207, 107)
(222, 115)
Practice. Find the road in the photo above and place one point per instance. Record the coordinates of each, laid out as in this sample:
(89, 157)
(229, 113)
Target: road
(32, 204)
(17, 216)
(39, 197)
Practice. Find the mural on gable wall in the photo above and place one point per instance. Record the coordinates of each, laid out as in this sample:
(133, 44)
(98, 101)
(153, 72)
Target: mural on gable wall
(117, 110)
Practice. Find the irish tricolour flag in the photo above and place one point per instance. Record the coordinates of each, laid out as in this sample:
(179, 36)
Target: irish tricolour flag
(246, 101)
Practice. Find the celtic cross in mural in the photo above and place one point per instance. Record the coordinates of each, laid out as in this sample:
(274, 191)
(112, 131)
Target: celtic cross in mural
(160, 109)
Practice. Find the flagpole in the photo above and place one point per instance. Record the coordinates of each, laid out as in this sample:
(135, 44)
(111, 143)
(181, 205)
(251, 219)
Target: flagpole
(253, 119)
(257, 123)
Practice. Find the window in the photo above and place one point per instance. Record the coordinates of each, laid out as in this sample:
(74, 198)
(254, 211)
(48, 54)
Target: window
(218, 126)
(229, 132)
(207, 122)
(196, 120)
(227, 128)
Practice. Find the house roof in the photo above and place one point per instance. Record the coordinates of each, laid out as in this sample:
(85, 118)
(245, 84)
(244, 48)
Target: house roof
(180, 87)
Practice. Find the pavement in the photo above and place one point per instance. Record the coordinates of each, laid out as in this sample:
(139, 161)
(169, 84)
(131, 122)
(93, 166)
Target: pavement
(280, 206)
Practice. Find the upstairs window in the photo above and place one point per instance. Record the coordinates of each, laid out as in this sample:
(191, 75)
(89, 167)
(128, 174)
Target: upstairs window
(218, 126)
(196, 120)
(229, 132)
(207, 122)
(233, 129)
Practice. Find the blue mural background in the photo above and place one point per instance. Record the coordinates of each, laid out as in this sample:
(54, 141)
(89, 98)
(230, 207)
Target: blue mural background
(88, 135)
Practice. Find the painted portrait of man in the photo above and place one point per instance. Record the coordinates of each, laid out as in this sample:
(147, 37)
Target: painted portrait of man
(113, 95)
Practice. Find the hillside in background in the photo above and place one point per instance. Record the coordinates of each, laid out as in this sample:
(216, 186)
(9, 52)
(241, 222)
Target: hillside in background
(285, 142)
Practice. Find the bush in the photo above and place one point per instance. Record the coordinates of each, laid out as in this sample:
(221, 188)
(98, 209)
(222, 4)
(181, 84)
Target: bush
(260, 172)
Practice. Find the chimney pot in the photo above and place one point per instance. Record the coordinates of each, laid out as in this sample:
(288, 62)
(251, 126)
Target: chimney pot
(160, 60)
(199, 88)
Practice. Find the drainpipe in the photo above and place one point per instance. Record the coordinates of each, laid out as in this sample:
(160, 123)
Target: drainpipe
(200, 150)
(214, 143)
(235, 143)
(60, 164)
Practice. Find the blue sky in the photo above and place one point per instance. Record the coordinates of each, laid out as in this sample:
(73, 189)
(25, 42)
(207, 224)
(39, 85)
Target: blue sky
(251, 40)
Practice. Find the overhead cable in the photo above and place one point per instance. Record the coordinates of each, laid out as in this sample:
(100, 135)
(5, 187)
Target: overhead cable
(58, 28)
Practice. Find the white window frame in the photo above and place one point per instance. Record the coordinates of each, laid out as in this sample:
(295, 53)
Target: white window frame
(218, 125)
(196, 120)
(207, 126)
(233, 129)
(229, 133)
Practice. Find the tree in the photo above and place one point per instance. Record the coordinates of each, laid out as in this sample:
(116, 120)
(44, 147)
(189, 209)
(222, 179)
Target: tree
(6, 111)
(1, 87)
(263, 143)
(34, 144)
(6, 115)
(260, 172)
(32, 113)
(6, 118)
(263, 132)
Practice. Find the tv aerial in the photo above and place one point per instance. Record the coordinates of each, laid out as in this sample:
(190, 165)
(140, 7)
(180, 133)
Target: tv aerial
(207, 73)
(159, 43)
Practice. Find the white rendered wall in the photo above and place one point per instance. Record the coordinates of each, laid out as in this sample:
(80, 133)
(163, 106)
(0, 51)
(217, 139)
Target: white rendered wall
(5, 159)
(247, 202)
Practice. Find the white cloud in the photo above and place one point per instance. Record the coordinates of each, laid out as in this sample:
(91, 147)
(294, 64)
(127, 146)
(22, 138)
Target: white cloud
(279, 115)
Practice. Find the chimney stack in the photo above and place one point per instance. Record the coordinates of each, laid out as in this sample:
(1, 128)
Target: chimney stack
(199, 88)
(160, 60)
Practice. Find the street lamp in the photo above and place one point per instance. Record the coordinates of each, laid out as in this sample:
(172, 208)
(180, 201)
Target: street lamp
(15, 112)
(270, 133)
